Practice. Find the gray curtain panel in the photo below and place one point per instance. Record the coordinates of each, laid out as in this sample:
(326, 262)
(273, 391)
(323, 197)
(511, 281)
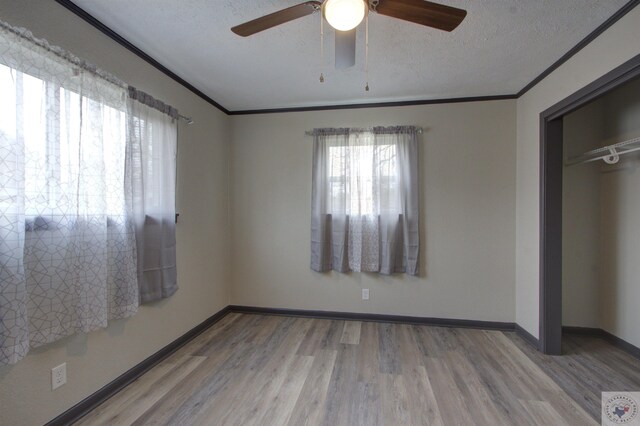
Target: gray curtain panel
(152, 140)
(365, 204)
(328, 231)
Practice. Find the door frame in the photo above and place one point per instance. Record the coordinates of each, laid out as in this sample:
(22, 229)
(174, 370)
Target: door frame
(551, 167)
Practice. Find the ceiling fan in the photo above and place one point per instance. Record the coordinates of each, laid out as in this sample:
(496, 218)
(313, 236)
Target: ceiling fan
(345, 15)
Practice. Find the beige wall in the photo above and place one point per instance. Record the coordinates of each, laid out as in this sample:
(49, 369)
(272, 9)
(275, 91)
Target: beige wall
(583, 131)
(96, 358)
(619, 212)
(612, 48)
(467, 195)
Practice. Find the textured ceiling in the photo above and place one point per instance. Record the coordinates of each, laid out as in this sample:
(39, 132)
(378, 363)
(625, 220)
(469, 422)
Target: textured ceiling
(499, 48)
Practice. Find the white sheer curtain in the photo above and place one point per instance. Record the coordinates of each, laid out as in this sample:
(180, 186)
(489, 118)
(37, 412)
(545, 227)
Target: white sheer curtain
(153, 135)
(67, 244)
(365, 200)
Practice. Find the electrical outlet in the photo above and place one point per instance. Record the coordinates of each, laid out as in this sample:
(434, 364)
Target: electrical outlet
(58, 376)
(365, 294)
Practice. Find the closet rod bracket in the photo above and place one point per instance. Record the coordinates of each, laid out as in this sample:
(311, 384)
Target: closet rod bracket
(613, 158)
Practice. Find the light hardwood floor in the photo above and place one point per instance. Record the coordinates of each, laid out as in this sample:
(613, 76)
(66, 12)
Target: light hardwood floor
(275, 370)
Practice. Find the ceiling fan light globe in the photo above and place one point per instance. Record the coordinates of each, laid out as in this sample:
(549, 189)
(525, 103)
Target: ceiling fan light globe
(344, 15)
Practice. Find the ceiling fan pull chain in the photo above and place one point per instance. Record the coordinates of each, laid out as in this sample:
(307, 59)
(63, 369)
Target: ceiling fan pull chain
(366, 51)
(321, 46)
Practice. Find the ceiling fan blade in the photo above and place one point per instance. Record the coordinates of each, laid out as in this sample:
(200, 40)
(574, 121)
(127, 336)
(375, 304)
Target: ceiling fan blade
(276, 18)
(345, 48)
(423, 12)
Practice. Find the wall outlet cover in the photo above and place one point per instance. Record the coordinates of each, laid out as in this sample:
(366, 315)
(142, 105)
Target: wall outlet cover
(58, 376)
(365, 294)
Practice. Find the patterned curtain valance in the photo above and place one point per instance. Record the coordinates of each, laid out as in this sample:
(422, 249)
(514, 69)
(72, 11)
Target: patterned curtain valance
(76, 62)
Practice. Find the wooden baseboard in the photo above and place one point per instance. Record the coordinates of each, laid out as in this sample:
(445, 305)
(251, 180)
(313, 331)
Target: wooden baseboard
(583, 331)
(79, 410)
(357, 316)
(603, 334)
(527, 337)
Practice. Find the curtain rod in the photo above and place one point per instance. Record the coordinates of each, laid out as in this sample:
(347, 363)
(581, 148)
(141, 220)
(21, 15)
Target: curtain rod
(358, 130)
(189, 120)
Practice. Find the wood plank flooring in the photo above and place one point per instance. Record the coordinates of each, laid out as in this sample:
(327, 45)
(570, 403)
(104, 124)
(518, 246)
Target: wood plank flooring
(276, 370)
(587, 367)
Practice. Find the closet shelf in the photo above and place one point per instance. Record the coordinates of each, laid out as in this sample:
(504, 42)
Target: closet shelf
(610, 154)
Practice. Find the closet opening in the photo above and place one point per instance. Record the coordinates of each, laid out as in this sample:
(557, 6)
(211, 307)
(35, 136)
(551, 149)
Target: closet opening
(589, 201)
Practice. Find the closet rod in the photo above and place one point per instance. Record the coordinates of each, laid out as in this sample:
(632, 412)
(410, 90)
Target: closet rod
(310, 132)
(610, 154)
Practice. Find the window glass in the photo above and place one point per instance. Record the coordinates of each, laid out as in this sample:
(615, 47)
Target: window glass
(363, 177)
(62, 132)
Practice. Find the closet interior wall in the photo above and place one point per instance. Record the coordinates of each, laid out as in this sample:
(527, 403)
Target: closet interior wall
(601, 207)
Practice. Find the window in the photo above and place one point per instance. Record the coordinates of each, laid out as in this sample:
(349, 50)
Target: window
(61, 134)
(362, 177)
(84, 161)
(365, 200)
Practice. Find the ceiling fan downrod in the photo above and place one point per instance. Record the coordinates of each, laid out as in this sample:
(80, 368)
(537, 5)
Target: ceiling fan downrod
(366, 53)
(321, 47)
